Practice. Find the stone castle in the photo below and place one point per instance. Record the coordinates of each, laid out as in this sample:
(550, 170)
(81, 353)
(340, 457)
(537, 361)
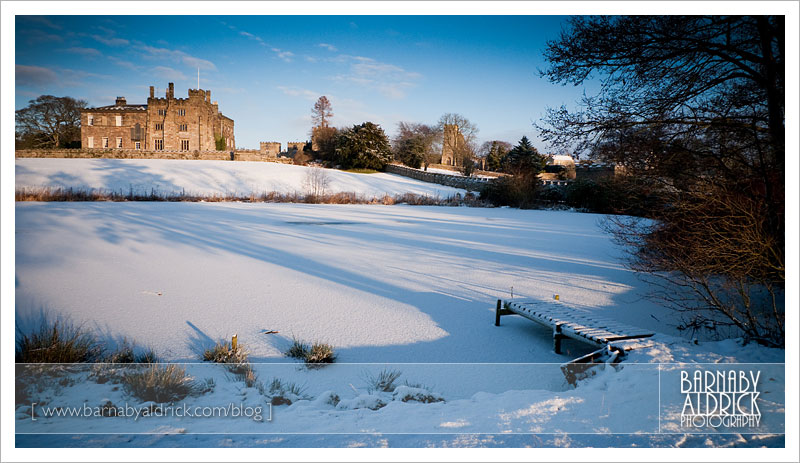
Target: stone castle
(163, 124)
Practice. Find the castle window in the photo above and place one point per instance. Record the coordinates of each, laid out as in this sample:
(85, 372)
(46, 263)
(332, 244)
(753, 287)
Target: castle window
(90, 142)
(138, 145)
(137, 133)
(181, 112)
(159, 144)
(119, 121)
(162, 112)
(159, 126)
(91, 120)
(119, 142)
(105, 142)
(184, 145)
(183, 127)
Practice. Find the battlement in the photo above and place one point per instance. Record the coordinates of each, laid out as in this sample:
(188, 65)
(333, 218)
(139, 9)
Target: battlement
(296, 145)
(270, 148)
(204, 95)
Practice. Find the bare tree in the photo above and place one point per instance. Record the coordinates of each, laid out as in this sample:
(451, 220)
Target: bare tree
(322, 112)
(50, 121)
(468, 154)
(316, 181)
(323, 142)
(457, 137)
(714, 244)
(465, 127)
(693, 107)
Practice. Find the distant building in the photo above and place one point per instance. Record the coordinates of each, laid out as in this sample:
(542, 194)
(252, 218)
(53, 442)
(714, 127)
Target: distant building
(294, 147)
(270, 148)
(588, 170)
(163, 124)
(559, 167)
(453, 145)
(562, 160)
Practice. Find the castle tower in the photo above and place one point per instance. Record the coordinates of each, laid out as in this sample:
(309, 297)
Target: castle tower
(452, 145)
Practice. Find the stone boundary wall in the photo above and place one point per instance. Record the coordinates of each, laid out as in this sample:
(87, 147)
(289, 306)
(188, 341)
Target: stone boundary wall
(457, 170)
(239, 155)
(466, 183)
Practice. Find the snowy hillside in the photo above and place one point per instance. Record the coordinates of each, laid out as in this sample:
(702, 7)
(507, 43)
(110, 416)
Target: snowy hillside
(207, 178)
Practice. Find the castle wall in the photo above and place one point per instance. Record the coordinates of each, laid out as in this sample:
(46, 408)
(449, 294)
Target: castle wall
(104, 125)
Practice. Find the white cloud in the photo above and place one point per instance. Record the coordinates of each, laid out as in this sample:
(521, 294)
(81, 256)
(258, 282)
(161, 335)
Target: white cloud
(59, 77)
(34, 36)
(34, 75)
(283, 54)
(43, 21)
(122, 63)
(203, 64)
(243, 33)
(177, 55)
(111, 41)
(251, 37)
(347, 112)
(302, 92)
(169, 73)
(388, 79)
(328, 46)
(84, 51)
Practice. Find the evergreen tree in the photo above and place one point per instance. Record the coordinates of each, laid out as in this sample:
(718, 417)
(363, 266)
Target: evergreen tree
(411, 151)
(363, 146)
(524, 157)
(496, 154)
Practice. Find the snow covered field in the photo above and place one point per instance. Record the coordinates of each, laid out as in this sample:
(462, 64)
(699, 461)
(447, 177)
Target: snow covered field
(391, 288)
(206, 177)
(381, 284)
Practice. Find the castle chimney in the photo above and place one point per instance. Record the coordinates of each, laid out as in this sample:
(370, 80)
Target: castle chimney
(171, 90)
(208, 96)
(152, 92)
(121, 101)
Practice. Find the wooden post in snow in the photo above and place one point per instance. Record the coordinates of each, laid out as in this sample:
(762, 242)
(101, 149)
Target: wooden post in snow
(557, 337)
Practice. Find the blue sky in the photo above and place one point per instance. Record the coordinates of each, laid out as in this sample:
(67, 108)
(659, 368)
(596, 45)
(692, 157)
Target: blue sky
(266, 72)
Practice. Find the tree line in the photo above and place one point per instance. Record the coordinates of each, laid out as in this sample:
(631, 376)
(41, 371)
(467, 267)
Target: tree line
(417, 145)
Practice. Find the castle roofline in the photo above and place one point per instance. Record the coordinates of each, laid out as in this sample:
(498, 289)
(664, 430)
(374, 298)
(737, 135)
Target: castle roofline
(127, 107)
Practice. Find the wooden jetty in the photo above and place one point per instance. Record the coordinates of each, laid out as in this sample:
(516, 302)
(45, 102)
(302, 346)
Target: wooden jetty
(613, 338)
